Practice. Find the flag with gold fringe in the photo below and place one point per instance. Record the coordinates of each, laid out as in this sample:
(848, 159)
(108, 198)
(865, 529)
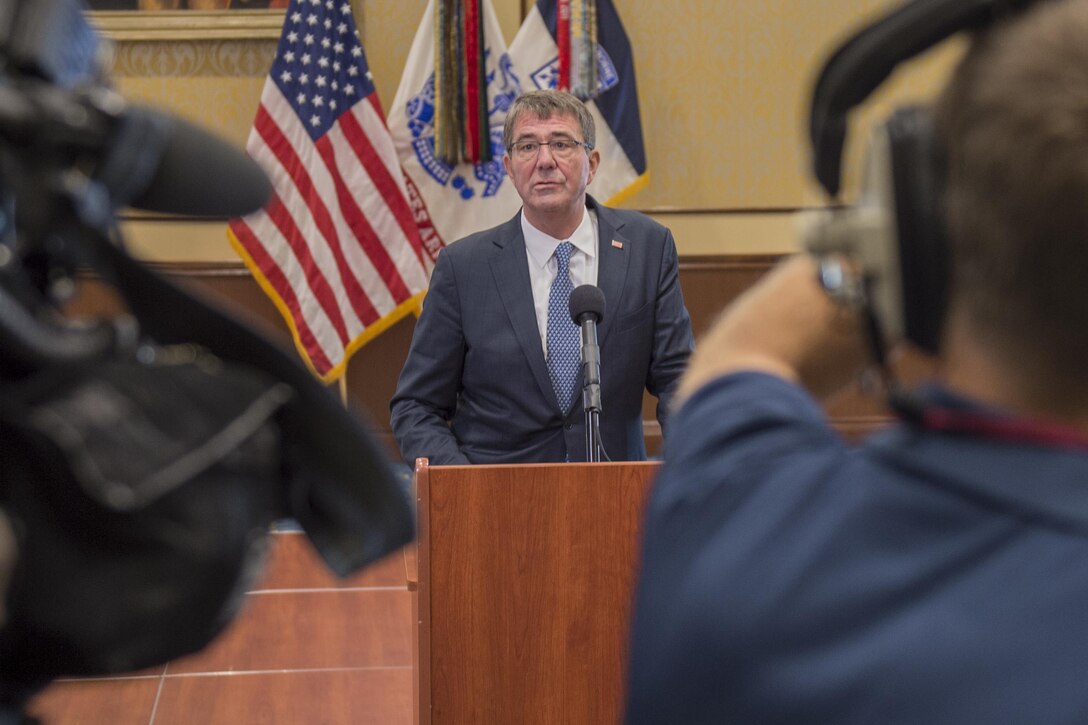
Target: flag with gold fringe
(447, 117)
(580, 46)
(341, 249)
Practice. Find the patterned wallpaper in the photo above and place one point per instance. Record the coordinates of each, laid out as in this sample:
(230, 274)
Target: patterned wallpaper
(723, 87)
(216, 83)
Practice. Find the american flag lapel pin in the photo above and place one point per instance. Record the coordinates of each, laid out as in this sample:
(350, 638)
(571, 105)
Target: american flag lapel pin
(617, 244)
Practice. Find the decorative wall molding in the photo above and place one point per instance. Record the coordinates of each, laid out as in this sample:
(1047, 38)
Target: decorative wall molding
(175, 25)
(194, 58)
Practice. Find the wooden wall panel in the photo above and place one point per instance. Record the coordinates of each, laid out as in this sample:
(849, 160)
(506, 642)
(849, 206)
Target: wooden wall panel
(709, 283)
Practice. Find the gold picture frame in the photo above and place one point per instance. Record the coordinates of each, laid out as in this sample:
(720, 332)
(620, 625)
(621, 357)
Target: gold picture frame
(127, 26)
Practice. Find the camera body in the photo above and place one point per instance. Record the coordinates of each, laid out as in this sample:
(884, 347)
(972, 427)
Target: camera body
(896, 228)
(146, 457)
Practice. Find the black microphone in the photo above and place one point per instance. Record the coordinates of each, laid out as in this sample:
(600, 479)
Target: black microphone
(158, 162)
(56, 106)
(135, 156)
(140, 157)
(587, 309)
(587, 306)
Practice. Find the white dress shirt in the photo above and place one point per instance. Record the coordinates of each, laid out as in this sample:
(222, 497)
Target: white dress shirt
(540, 248)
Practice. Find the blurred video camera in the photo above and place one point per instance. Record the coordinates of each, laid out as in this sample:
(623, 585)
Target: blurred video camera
(144, 457)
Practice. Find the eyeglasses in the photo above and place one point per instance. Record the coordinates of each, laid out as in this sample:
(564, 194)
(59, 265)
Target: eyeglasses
(562, 148)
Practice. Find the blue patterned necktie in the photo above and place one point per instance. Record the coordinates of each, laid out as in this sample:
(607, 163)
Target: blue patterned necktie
(563, 354)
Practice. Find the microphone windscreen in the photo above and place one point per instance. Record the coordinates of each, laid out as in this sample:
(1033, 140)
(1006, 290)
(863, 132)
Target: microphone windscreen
(587, 300)
(200, 174)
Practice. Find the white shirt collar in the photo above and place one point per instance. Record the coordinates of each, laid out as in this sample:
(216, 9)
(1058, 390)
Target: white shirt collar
(541, 246)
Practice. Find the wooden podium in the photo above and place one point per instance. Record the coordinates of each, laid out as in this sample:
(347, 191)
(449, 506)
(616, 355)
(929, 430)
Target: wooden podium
(523, 585)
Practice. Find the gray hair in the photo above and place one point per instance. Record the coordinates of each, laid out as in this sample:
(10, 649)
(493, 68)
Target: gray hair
(544, 104)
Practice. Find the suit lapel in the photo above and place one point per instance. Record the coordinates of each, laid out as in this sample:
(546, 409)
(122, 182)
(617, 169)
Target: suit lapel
(510, 270)
(613, 260)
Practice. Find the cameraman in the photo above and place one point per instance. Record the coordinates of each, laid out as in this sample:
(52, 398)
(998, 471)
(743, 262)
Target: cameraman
(937, 572)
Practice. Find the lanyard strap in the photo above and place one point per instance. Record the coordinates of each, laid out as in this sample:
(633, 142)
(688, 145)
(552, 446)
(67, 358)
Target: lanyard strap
(989, 426)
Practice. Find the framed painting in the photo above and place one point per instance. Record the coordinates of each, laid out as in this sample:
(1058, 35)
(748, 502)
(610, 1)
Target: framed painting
(158, 20)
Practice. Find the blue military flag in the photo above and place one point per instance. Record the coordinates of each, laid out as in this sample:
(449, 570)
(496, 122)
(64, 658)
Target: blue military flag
(461, 196)
(556, 47)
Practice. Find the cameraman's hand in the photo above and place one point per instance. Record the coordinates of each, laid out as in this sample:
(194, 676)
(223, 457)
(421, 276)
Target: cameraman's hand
(786, 325)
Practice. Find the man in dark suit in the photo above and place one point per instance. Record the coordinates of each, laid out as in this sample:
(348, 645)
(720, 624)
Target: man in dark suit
(482, 382)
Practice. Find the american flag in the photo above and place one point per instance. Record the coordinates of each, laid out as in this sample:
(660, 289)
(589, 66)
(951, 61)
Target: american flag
(338, 248)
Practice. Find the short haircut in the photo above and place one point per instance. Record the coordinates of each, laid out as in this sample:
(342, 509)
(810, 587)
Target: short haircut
(1013, 122)
(544, 104)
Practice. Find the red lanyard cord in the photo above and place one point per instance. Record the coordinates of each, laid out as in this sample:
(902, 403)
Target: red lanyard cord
(990, 426)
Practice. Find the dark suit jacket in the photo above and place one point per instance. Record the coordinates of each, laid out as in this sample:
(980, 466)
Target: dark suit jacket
(475, 386)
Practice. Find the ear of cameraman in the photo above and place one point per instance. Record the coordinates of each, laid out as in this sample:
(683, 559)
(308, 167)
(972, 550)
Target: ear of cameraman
(936, 572)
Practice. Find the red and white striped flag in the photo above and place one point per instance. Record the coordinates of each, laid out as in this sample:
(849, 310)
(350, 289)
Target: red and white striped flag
(339, 247)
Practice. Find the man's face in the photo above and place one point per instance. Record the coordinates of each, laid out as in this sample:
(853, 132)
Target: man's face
(547, 183)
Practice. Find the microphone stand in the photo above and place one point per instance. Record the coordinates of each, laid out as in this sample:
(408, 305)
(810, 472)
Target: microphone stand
(591, 389)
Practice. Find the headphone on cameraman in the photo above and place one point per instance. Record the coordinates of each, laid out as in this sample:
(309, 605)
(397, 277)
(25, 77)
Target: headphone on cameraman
(896, 229)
